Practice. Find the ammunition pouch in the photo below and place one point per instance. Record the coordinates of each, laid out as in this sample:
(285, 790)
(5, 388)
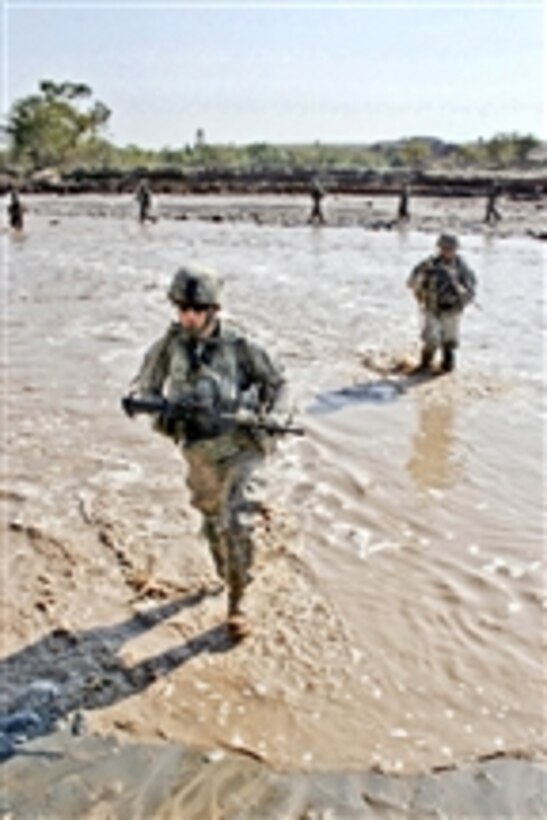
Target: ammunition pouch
(443, 293)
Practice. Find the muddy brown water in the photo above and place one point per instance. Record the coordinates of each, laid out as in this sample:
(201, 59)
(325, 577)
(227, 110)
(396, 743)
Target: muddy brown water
(399, 600)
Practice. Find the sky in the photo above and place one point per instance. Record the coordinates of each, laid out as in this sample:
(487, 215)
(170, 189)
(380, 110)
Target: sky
(287, 72)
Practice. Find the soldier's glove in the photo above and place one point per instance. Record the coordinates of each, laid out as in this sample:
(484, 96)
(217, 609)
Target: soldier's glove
(127, 406)
(246, 417)
(275, 420)
(466, 297)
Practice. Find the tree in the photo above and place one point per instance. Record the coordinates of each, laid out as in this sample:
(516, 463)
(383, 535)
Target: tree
(524, 145)
(262, 154)
(470, 155)
(416, 153)
(506, 150)
(53, 127)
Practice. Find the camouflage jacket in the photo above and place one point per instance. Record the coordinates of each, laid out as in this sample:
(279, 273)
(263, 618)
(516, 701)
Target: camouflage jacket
(226, 371)
(441, 287)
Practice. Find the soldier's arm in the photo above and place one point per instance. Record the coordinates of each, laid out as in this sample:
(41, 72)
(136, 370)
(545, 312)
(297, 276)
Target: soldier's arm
(416, 280)
(268, 378)
(154, 369)
(468, 280)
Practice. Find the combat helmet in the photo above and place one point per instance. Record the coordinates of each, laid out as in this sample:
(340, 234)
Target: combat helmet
(448, 240)
(193, 285)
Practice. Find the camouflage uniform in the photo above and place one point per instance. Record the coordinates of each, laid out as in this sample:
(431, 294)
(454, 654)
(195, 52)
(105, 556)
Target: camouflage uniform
(443, 289)
(229, 373)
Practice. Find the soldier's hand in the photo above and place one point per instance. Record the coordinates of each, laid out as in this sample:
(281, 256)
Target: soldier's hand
(275, 424)
(127, 405)
(465, 295)
(245, 416)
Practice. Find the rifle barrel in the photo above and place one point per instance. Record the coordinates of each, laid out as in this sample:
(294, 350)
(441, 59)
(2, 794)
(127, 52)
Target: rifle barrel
(154, 404)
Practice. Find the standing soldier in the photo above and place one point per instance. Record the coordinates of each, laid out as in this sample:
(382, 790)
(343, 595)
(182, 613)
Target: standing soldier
(492, 214)
(403, 213)
(317, 192)
(15, 211)
(227, 376)
(144, 198)
(443, 286)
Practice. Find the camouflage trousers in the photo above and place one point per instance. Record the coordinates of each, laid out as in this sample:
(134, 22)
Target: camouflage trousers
(219, 480)
(440, 330)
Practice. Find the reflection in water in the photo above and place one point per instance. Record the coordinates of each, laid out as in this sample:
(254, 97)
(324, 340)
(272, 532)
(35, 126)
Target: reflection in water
(434, 462)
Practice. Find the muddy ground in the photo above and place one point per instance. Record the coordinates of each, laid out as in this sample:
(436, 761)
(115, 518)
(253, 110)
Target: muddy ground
(395, 667)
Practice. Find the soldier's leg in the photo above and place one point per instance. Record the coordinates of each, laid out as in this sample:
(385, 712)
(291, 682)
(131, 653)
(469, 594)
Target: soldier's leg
(450, 340)
(448, 362)
(206, 485)
(212, 531)
(430, 340)
(316, 213)
(240, 510)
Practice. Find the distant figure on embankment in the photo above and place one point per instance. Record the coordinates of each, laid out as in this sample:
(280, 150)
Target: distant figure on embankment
(403, 211)
(16, 211)
(144, 199)
(492, 214)
(317, 193)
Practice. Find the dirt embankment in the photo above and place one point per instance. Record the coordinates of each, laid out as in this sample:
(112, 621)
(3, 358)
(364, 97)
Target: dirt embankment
(362, 181)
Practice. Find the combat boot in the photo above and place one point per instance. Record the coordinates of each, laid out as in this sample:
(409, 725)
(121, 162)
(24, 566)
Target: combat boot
(425, 361)
(449, 359)
(238, 625)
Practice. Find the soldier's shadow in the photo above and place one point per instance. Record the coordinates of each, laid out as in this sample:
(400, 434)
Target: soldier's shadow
(66, 672)
(379, 391)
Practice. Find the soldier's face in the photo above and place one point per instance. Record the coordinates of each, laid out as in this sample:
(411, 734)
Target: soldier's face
(193, 318)
(447, 252)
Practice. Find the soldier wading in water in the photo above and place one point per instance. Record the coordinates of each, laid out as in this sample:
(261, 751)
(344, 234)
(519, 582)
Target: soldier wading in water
(225, 373)
(443, 286)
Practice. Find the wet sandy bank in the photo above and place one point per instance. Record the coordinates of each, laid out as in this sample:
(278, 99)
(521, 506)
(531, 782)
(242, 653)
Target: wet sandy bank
(97, 778)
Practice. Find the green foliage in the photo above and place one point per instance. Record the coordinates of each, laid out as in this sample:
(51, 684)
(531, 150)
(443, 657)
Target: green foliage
(524, 146)
(61, 127)
(506, 150)
(469, 155)
(132, 156)
(416, 154)
(53, 128)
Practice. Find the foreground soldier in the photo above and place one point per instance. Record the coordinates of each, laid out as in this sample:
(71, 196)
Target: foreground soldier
(226, 374)
(443, 286)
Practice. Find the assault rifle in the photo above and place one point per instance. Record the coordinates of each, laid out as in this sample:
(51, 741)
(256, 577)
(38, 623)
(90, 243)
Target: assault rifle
(188, 406)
